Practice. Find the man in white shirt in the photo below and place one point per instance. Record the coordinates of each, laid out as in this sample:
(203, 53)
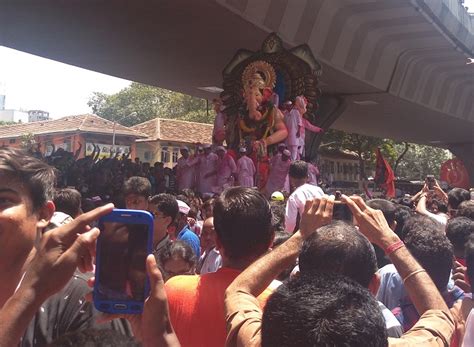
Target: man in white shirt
(302, 191)
(210, 260)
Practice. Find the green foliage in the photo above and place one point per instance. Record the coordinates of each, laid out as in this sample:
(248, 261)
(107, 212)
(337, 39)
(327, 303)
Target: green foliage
(146, 102)
(6, 123)
(27, 141)
(363, 146)
(418, 161)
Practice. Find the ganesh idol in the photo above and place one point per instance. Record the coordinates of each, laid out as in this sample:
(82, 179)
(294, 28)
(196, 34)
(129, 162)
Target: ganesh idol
(261, 123)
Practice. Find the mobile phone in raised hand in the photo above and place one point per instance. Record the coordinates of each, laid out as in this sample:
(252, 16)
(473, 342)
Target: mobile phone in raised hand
(121, 283)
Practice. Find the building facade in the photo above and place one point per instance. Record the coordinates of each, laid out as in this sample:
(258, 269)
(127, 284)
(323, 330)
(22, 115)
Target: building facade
(167, 136)
(72, 133)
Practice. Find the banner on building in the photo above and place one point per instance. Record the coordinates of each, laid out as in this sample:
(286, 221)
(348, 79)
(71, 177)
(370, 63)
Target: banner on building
(106, 149)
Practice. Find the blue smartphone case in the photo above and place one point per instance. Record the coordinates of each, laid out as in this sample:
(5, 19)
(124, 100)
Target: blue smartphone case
(126, 217)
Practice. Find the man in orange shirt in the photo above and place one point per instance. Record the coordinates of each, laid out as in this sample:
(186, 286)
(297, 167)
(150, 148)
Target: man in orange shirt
(242, 221)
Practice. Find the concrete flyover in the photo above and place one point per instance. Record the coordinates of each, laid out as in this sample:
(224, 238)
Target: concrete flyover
(391, 68)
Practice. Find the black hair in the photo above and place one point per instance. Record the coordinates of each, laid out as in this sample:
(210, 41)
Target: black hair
(177, 249)
(166, 204)
(339, 248)
(278, 215)
(466, 209)
(184, 198)
(440, 204)
(94, 338)
(68, 200)
(456, 196)
(298, 169)
(469, 256)
(402, 213)
(427, 242)
(280, 238)
(388, 208)
(137, 185)
(243, 222)
(458, 230)
(37, 176)
(322, 310)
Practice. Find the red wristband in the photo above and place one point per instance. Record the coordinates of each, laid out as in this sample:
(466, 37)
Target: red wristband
(393, 247)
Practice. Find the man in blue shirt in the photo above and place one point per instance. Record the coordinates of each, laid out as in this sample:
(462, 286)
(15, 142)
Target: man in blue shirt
(186, 234)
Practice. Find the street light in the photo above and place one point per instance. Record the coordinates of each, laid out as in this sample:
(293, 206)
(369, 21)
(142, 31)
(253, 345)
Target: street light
(133, 114)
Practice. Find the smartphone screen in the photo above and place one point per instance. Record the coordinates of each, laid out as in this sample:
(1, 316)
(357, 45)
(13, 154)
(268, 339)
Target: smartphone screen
(122, 264)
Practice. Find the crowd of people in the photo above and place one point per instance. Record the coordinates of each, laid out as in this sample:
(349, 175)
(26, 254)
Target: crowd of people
(232, 265)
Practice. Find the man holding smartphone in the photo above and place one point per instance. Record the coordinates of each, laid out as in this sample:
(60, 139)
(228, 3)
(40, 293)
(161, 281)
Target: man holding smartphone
(26, 191)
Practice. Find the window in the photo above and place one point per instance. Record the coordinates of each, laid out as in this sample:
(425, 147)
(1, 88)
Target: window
(332, 166)
(175, 155)
(12, 141)
(147, 155)
(165, 155)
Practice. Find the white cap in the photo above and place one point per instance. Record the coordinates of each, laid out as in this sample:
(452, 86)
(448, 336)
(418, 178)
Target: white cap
(220, 148)
(183, 207)
(207, 146)
(184, 148)
(242, 150)
(287, 152)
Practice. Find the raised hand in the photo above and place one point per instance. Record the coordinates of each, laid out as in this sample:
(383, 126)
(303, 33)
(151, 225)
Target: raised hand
(61, 251)
(317, 212)
(372, 223)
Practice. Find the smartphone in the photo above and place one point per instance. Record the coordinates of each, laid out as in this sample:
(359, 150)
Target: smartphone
(340, 210)
(430, 181)
(121, 283)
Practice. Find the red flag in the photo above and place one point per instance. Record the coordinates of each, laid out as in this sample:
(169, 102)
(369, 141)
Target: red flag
(384, 176)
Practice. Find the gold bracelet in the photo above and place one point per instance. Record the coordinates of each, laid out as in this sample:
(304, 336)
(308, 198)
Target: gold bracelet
(413, 274)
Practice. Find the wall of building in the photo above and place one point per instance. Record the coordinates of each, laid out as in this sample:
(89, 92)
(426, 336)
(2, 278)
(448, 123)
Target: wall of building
(339, 169)
(161, 151)
(72, 142)
(13, 116)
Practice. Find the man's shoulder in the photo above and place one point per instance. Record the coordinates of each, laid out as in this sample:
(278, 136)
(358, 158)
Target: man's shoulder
(178, 284)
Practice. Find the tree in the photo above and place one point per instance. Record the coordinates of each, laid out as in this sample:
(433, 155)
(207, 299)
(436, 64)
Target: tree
(6, 123)
(409, 161)
(148, 102)
(363, 146)
(420, 161)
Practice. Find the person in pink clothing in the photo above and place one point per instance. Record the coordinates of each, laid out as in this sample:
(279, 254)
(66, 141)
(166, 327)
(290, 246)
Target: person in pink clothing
(279, 166)
(218, 132)
(313, 174)
(300, 107)
(226, 169)
(245, 169)
(293, 124)
(207, 170)
(185, 169)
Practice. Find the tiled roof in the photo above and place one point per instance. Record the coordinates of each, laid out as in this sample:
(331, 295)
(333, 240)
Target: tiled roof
(84, 123)
(174, 130)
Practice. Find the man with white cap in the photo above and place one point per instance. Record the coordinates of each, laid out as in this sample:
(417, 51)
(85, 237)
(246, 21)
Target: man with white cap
(245, 169)
(226, 168)
(185, 169)
(279, 166)
(185, 233)
(207, 170)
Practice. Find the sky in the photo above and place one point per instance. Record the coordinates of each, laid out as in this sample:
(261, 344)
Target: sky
(31, 82)
(470, 4)
(34, 83)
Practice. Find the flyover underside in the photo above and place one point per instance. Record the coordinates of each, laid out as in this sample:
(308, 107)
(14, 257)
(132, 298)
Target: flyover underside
(399, 65)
